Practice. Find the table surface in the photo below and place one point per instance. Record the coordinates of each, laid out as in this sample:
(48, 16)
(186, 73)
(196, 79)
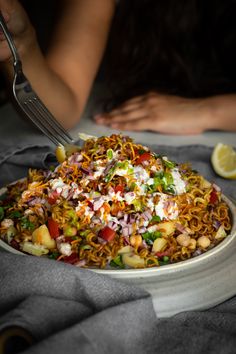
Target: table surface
(88, 126)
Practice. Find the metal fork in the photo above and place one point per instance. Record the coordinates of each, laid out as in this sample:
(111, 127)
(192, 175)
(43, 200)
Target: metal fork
(28, 100)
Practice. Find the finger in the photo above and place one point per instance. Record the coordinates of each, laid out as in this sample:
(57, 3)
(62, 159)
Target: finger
(138, 125)
(134, 100)
(125, 109)
(122, 116)
(117, 112)
(139, 99)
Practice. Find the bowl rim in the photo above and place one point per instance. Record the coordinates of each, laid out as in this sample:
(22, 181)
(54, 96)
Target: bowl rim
(162, 270)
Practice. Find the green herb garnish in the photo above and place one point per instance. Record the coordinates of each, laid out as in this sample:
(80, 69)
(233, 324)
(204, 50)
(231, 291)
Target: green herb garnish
(117, 262)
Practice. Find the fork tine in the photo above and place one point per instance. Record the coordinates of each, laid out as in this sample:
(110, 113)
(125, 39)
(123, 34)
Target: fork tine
(41, 115)
(48, 117)
(31, 115)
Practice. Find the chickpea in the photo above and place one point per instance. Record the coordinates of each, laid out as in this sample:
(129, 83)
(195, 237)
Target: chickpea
(7, 223)
(136, 241)
(203, 242)
(192, 245)
(183, 240)
(70, 231)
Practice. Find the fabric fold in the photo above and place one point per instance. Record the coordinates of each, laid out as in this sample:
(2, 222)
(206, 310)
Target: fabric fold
(65, 308)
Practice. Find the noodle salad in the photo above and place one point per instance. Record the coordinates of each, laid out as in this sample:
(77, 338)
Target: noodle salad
(114, 204)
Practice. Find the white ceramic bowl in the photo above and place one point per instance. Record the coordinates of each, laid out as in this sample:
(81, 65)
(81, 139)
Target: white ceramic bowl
(195, 284)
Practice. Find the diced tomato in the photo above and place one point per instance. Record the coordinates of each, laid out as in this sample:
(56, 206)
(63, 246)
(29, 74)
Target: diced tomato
(119, 188)
(213, 197)
(146, 156)
(72, 259)
(107, 234)
(53, 228)
(53, 197)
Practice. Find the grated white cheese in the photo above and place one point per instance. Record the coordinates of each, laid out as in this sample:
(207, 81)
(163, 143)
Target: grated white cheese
(179, 183)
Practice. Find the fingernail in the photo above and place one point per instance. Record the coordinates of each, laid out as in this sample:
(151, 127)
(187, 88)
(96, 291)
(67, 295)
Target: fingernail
(5, 15)
(114, 125)
(99, 119)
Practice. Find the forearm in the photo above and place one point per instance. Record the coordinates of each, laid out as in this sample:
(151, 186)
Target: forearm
(64, 77)
(52, 90)
(221, 112)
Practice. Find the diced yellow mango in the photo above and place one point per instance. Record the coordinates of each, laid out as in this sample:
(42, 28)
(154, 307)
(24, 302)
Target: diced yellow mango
(159, 244)
(125, 249)
(42, 236)
(221, 233)
(133, 260)
(166, 228)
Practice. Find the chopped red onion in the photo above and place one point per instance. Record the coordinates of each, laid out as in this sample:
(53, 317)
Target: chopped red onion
(216, 187)
(80, 263)
(125, 231)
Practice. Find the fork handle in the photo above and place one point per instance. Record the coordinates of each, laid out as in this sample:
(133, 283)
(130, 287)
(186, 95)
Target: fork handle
(17, 62)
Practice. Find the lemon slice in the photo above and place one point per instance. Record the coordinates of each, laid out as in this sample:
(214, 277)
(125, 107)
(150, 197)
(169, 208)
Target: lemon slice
(223, 160)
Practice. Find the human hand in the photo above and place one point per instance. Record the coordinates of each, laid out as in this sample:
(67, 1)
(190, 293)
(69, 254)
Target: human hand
(160, 113)
(19, 26)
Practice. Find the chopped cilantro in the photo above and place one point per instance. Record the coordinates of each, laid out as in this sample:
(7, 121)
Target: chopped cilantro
(84, 233)
(117, 262)
(170, 189)
(85, 247)
(1, 213)
(165, 180)
(150, 237)
(15, 214)
(110, 174)
(110, 154)
(169, 164)
(141, 152)
(156, 218)
(54, 255)
(26, 224)
(157, 156)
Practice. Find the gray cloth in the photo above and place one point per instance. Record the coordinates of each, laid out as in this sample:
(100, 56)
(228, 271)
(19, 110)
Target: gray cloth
(21, 146)
(70, 310)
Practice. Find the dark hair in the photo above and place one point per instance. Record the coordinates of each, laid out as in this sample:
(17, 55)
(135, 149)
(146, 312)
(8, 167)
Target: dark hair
(184, 47)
